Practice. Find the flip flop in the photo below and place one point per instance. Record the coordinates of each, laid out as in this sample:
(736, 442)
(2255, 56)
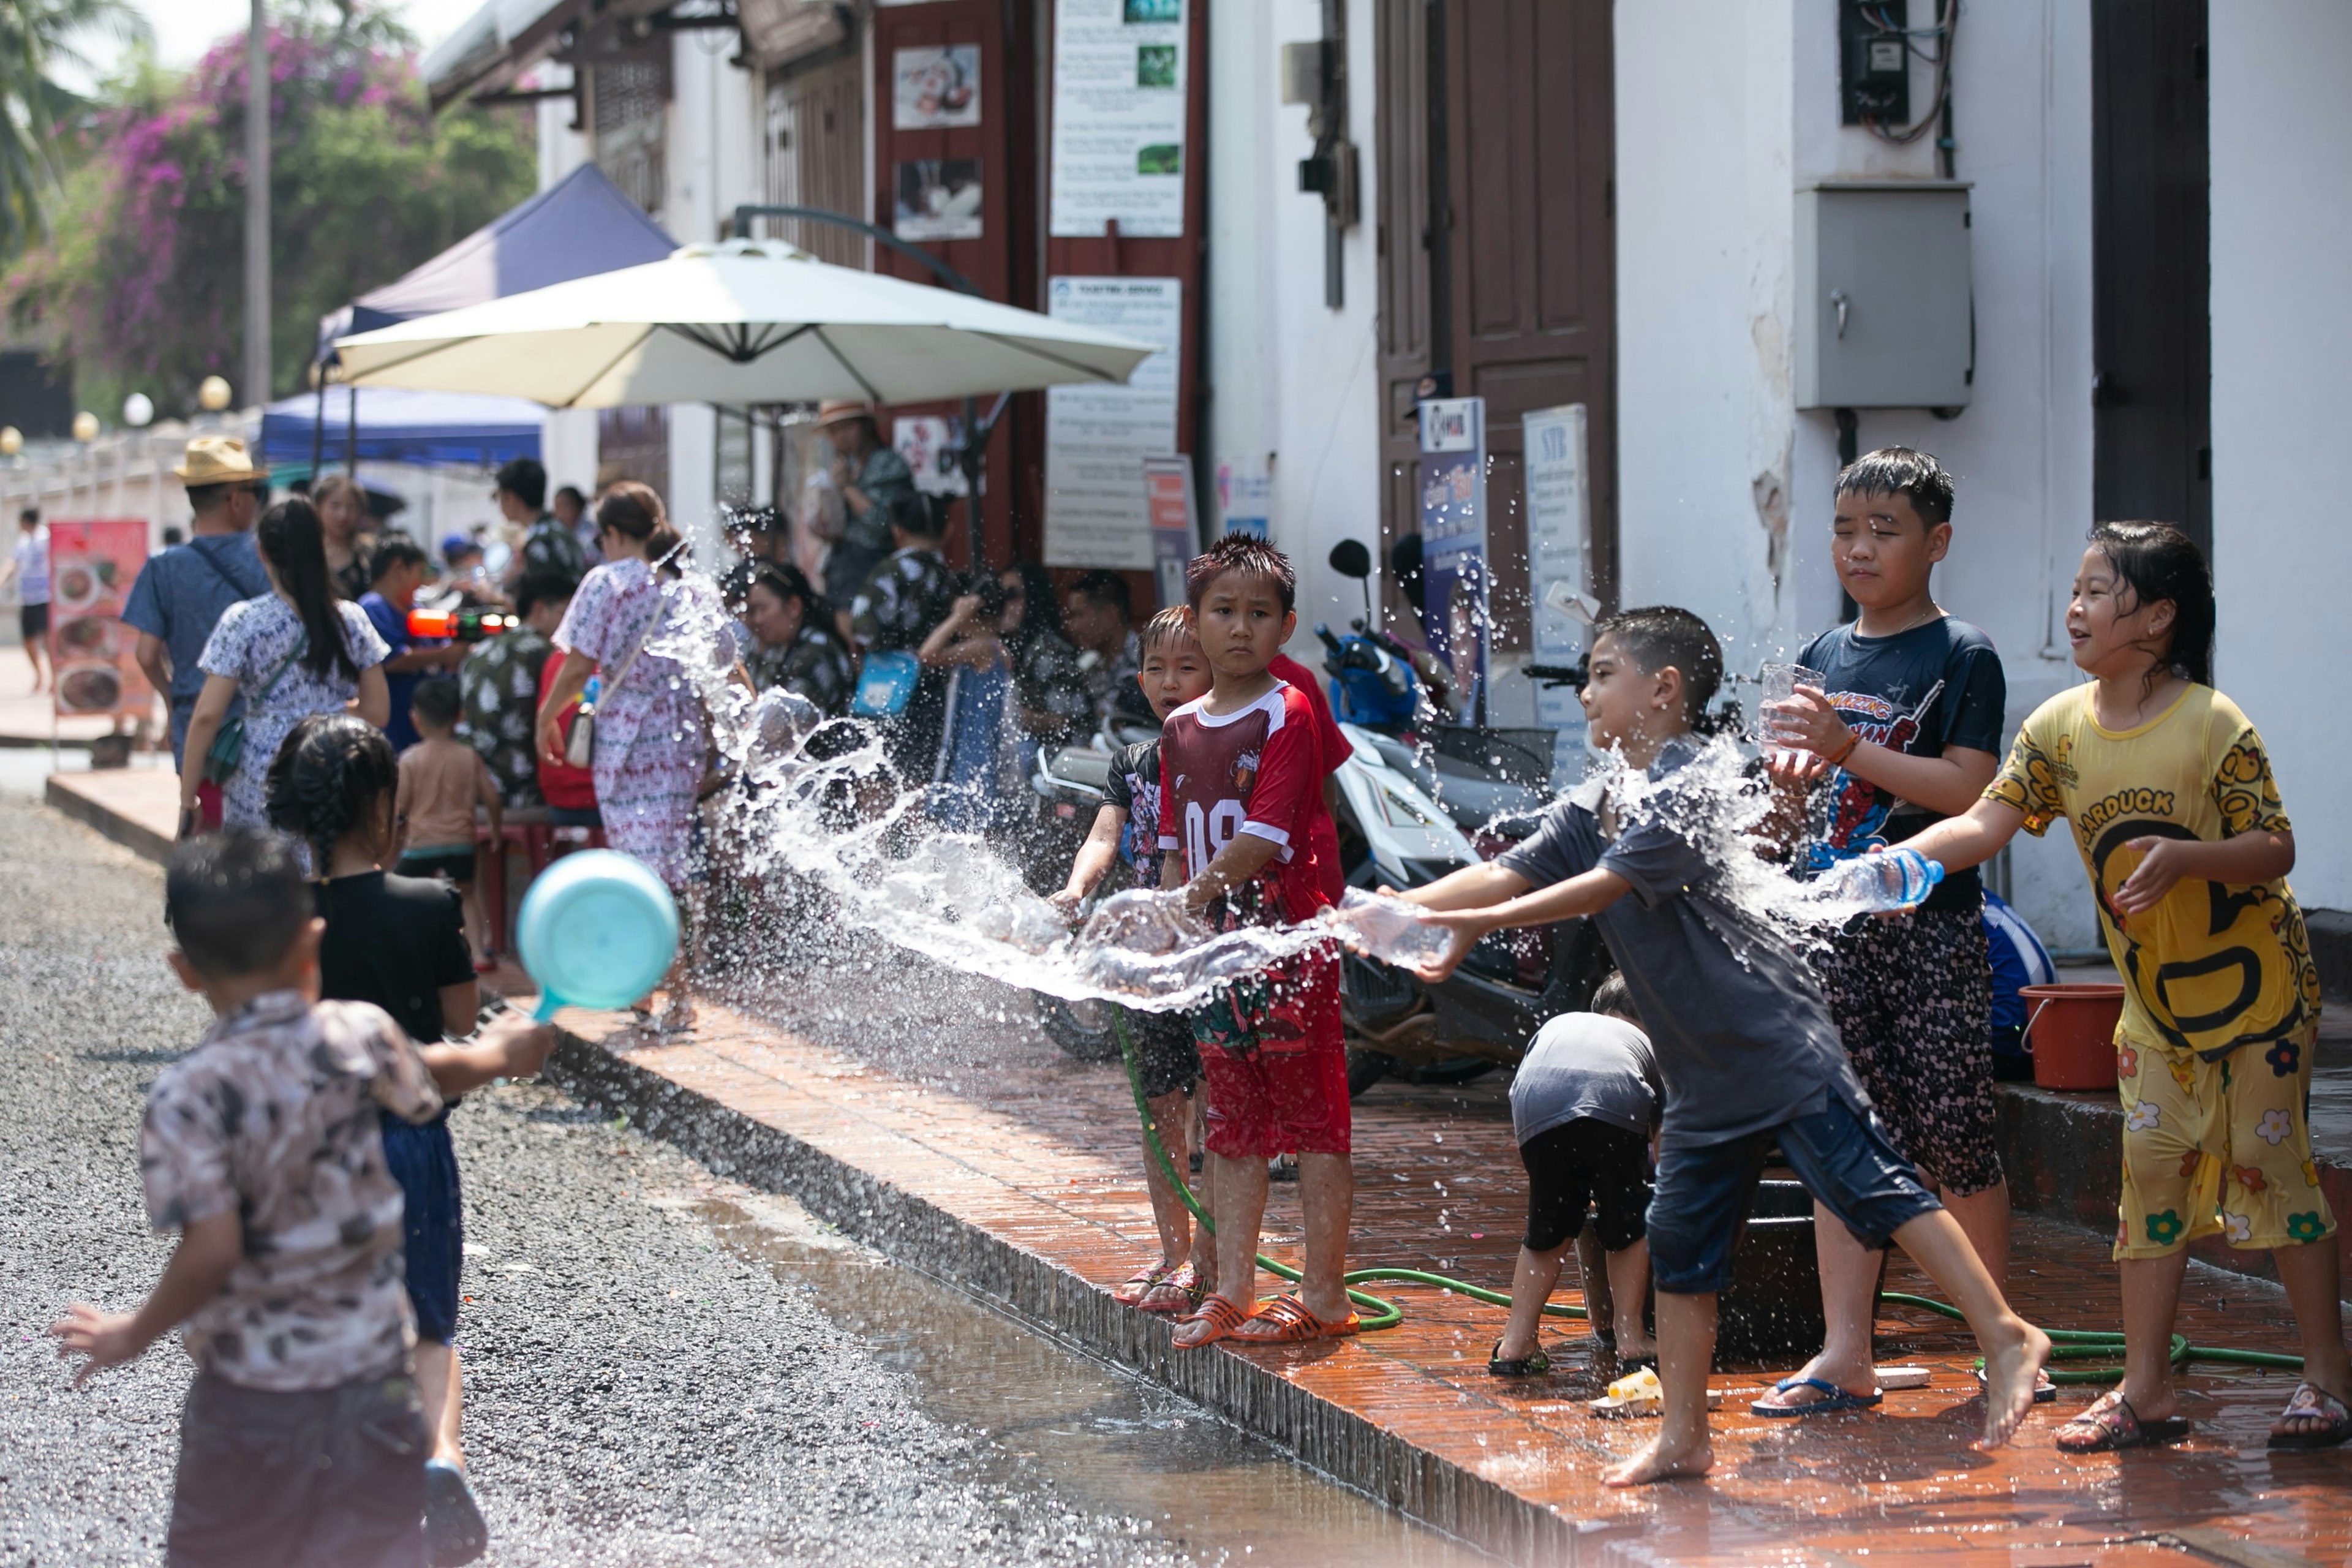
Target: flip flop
(1285, 1321)
(2044, 1391)
(2310, 1399)
(2112, 1425)
(1833, 1400)
(1534, 1365)
(1221, 1316)
(1182, 1284)
(1138, 1284)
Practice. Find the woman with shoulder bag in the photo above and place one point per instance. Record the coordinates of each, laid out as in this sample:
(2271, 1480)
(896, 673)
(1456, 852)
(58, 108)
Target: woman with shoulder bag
(295, 651)
(649, 733)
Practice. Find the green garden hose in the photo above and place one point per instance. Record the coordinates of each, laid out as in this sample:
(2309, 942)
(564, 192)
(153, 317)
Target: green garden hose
(2067, 1345)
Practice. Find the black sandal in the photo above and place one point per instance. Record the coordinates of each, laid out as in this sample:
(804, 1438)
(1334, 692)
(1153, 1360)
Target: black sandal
(1535, 1365)
(2115, 1426)
(2310, 1399)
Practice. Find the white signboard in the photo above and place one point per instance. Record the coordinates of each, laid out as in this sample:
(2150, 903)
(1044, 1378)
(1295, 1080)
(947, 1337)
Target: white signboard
(1246, 495)
(1119, 117)
(1097, 437)
(1560, 538)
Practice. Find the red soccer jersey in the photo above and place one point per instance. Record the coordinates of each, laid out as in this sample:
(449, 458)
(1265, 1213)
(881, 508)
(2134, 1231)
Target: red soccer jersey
(1259, 771)
(1336, 750)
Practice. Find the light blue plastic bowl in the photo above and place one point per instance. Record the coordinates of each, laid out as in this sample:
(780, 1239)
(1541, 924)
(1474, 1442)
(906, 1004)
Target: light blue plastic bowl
(596, 930)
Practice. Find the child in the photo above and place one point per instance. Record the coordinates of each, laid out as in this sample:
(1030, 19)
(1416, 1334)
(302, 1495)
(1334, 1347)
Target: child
(1744, 1040)
(1907, 730)
(442, 780)
(400, 942)
(972, 787)
(1583, 1105)
(2188, 848)
(1240, 801)
(262, 1148)
(396, 570)
(1167, 1059)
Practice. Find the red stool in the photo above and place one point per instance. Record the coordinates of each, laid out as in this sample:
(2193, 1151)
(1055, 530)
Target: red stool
(533, 839)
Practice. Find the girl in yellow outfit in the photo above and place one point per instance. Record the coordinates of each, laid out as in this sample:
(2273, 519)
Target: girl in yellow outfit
(2188, 848)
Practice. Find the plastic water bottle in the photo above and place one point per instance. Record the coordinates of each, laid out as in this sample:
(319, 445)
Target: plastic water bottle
(1390, 928)
(1896, 880)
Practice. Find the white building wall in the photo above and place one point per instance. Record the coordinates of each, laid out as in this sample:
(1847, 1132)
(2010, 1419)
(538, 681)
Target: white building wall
(567, 442)
(1289, 376)
(2282, 322)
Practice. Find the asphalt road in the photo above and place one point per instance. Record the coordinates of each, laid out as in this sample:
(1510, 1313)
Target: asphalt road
(637, 1392)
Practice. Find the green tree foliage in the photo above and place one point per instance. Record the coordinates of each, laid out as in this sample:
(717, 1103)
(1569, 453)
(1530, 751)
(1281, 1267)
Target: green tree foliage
(37, 36)
(141, 280)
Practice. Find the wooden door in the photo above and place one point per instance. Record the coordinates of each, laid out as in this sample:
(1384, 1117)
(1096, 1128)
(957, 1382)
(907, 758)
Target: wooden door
(815, 136)
(1498, 245)
(2151, 337)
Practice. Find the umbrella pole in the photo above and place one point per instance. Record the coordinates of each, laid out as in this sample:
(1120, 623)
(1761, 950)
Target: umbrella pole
(319, 424)
(352, 434)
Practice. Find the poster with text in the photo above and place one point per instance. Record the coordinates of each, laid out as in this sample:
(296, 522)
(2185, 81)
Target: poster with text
(936, 87)
(1118, 118)
(1454, 596)
(1246, 495)
(91, 568)
(937, 198)
(1560, 555)
(1097, 437)
(1175, 532)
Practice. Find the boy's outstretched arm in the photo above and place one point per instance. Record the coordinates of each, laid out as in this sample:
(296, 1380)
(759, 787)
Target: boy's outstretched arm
(209, 1249)
(1959, 842)
(1586, 893)
(1471, 888)
(1242, 859)
(509, 1045)
(1094, 859)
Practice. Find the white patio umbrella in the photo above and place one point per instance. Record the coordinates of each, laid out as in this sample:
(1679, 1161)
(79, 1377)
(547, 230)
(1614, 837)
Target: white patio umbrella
(743, 321)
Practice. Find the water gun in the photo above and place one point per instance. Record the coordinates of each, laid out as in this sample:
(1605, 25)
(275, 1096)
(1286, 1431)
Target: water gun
(460, 625)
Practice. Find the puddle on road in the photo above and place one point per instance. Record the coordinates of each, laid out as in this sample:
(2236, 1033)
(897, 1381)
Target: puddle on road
(1109, 1442)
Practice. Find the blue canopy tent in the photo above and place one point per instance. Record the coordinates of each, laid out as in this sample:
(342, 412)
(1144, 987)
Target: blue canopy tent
(579, 226)
(392, 424)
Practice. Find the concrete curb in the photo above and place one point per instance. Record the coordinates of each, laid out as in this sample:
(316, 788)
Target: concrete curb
(102, 817)
(904, 1226)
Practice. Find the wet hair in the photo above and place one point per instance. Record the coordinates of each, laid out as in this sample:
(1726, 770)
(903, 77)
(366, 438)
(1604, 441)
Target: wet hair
(394, 550)
(1250, 556)
(236, 900)
(2160, 562)
(634, 511)
(1611, 997)
(1659, 636)
(1105, 588)
(436, 702)
(525, 479)
(1169, 628)
(292, 540)
(1917, 476)
(1041, 610)
(913, 514)
(539, 588)
(326, 780)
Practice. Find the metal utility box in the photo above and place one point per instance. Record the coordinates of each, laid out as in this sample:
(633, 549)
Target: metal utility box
(1882, 295)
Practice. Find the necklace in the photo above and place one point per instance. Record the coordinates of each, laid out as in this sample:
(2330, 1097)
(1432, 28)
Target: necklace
(1934, 611)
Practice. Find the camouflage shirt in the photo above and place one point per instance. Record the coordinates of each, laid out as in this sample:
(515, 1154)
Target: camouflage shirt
(1110, 680)
(903, 601)
(813, 663)
(275, 1115)
(1051, 688)
(550, 547)
(498, 683)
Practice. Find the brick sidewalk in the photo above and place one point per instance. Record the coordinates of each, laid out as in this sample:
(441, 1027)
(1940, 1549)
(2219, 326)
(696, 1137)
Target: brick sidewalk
(1013, 1171)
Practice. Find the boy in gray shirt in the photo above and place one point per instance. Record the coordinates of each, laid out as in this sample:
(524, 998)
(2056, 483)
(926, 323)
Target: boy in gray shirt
(1582, 1108)
(1744, 1040)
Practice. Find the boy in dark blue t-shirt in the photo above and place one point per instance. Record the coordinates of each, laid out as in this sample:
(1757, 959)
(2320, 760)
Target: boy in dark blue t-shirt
(1744, 1041)
(1904, 730)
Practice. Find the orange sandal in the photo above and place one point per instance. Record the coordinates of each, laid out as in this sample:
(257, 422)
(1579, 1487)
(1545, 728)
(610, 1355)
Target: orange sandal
(1218, 1316)
(1286, 1322)
(1140, 1284)
(1179, 1290)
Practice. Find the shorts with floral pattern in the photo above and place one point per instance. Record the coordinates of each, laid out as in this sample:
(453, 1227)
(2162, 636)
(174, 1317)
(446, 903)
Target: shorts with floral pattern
(2218, 1148)
(1913, 1001)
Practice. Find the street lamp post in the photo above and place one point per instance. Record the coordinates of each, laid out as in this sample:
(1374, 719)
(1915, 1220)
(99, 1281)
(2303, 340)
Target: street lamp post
(256, 205)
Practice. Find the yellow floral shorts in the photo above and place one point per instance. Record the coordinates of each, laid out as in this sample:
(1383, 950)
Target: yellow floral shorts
(2217, 1148)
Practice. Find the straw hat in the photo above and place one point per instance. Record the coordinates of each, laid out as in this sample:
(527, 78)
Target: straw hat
(218, 460)
(837, 410)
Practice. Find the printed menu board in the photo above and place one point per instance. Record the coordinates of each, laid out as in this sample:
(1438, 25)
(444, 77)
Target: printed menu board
(91, 568)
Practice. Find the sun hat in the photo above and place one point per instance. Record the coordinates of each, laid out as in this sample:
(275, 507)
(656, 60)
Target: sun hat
(218, 460)
(834, 410)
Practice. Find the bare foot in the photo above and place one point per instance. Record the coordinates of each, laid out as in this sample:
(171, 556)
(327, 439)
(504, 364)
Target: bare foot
(2011, 1365)
(1658, 1462)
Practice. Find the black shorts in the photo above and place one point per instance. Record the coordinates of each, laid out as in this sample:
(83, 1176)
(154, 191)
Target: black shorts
(1913, 1002)
(1586, 1163)
(331, 1475)
(33, 620)
(1166, 1059)
(433, 1220)
(457, 867)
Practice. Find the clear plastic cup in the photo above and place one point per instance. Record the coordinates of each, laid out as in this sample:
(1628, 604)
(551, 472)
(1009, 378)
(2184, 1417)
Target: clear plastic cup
(1780, 682)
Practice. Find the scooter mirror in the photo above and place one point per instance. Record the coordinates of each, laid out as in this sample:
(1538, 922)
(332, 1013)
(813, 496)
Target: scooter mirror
(1350, 559)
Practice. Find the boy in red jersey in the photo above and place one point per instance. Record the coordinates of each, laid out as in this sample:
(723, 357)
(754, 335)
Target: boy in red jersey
(1242, 813)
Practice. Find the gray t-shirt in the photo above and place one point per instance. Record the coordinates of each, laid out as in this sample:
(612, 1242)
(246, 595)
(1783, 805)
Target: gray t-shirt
(1585, 1064)
(1744, 1040)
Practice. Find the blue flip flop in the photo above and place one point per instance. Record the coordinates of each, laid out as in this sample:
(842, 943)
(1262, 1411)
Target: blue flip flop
(1833, 1399)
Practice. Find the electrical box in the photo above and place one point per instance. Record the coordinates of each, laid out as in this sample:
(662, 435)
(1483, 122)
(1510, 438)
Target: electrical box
(1884, 302)
(1874, 62)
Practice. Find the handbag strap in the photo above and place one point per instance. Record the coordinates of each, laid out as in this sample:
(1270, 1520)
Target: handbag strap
(301, 644)
(637, 645)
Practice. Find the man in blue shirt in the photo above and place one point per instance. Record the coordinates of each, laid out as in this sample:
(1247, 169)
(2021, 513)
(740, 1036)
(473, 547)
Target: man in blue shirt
(397, 570)
(183, 593)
